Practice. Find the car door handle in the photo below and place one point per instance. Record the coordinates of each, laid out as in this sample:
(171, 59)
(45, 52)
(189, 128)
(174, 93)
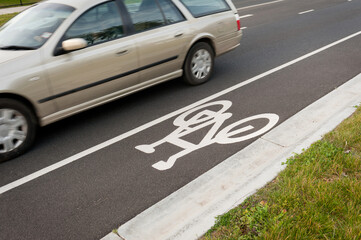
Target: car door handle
(178, 34)
(123, 52)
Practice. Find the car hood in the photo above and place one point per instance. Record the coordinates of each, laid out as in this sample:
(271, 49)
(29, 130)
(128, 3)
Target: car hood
(8, 55)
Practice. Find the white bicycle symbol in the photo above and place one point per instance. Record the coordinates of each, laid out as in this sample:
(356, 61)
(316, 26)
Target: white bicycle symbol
(187, 125)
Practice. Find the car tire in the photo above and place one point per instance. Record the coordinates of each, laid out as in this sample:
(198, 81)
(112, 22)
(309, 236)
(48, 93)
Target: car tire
(199, 64)
(18, 127)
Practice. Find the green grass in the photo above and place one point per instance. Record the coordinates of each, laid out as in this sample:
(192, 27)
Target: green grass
(6, 17)
(6, 3)
(318, 195)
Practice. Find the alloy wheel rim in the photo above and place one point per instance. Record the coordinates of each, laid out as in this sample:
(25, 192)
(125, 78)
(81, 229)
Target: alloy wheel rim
(201, 64)
(13, 129)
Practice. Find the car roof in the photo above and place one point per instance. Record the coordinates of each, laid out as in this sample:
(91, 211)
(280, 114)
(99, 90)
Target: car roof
(78, 4)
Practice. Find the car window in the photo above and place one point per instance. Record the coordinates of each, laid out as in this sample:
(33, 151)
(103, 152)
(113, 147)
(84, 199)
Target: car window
(99, 24)
(199, 8)
(171, 12)
(34, 26)
(145, 14)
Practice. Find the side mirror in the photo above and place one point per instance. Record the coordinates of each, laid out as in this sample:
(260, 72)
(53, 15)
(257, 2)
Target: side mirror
(73, 44)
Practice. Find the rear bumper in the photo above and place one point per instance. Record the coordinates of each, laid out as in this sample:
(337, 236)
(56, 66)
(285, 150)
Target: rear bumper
(229, 44)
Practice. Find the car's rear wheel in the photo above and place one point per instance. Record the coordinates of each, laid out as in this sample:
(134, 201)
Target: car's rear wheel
(198, 67)
(17, 128)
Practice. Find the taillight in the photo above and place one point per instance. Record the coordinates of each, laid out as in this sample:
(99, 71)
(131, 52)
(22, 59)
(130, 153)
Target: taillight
(238, 22)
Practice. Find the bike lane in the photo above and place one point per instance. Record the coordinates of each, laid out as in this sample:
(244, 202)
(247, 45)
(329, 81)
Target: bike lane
(262, 48)
(112, 185)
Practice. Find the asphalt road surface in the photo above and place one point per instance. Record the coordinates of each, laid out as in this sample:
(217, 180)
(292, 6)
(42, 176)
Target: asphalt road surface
(120, 172)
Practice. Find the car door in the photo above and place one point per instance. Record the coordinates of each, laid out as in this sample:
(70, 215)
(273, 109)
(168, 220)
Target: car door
(101, 71)
(162, 36)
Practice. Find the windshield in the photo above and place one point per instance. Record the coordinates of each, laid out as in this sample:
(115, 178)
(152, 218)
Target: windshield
(33, 27)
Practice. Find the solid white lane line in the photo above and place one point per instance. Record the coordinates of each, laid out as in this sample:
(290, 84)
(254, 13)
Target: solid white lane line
(242, 28)
(105, 144)
(246, 16)
(259, 5)
(308, 11)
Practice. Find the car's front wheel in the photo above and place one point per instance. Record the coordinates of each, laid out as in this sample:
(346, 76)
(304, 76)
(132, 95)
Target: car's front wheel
(18, 127)
(198, 66)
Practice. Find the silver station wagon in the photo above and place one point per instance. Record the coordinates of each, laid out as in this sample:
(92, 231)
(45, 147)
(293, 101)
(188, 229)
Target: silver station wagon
(61, 57)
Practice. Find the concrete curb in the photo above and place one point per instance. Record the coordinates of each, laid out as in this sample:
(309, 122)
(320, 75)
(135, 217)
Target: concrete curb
(189, 212)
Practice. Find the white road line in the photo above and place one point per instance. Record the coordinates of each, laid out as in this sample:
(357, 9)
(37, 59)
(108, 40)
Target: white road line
(246, 16)
(242, 28)
(259, 5)
(308, 11)
(105, 144)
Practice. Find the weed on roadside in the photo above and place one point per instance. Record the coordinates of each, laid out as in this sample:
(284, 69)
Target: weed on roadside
(6, 17)
(317, 196)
